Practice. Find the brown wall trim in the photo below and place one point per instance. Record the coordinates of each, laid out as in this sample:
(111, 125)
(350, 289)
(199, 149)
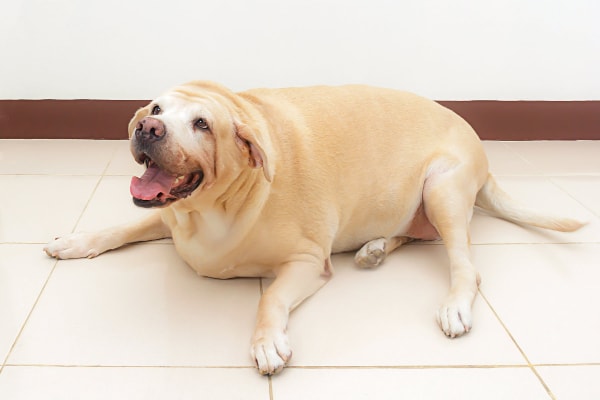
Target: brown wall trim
(66, 119)
(493, 120)
(531, 120)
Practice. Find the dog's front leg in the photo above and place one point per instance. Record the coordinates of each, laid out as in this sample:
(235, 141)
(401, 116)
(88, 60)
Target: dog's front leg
(83, 244)
(295, 282)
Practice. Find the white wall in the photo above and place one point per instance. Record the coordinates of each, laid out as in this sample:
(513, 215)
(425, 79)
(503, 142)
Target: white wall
(447, 50)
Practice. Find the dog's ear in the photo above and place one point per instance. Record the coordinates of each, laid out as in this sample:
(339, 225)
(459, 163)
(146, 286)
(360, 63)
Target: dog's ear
(250, 145)
(139, 114)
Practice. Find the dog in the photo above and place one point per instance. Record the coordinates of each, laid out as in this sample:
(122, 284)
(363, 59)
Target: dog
(271, 182)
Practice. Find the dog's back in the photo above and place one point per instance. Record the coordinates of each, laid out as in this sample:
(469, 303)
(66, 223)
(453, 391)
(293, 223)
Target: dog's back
(365, 151)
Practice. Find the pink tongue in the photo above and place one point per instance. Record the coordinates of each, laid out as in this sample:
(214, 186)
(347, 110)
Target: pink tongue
(151, 184)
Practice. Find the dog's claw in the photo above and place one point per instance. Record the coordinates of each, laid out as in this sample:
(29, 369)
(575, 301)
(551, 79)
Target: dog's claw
(454, 318)
(74, 245)
(271, 353)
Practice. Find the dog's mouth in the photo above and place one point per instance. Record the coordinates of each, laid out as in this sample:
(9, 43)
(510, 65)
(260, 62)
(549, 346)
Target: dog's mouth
(158, 188)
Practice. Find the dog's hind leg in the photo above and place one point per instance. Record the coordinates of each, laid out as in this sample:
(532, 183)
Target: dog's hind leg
(374, 252)
(448, 198)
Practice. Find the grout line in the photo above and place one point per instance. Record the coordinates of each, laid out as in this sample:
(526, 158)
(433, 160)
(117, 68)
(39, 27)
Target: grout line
(531, 366)
(100, 178)
(130, 366)
(24, 324)
(270, 387)
(592, 364)
(87, 203)
(525, 160)
(306, 367)
(553, 181)
(405, 367)
(110, 159)
(310, 367)
(536, 244)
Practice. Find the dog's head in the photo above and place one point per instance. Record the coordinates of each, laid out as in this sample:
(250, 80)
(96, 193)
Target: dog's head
(189, 138)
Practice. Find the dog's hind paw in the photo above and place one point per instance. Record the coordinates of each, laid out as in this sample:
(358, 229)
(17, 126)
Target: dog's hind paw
(371, 254)
(454, 318)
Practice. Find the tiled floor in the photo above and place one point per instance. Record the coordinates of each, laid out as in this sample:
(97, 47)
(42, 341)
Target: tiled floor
(138, 324)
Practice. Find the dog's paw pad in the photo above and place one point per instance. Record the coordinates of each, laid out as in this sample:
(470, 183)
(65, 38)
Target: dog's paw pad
(371, 254)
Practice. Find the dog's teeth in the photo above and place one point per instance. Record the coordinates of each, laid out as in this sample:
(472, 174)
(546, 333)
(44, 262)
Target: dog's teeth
(179, 179)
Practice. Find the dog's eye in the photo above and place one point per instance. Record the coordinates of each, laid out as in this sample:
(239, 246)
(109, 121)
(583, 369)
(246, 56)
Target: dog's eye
(156, 110)
(201, 124)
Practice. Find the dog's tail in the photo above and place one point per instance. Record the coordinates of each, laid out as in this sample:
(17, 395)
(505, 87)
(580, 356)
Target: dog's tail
(495, 201)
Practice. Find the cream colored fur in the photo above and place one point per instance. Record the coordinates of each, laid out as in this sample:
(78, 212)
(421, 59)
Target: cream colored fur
(294, 175)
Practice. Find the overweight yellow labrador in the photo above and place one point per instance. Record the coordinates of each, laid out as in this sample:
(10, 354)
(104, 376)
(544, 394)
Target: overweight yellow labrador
(271, 182)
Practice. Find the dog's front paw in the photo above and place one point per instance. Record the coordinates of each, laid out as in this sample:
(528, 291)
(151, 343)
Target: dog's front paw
(271, 352)
(74, 245)
(454, 317)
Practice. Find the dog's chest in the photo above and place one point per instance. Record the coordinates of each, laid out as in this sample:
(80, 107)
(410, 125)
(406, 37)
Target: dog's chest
(210, 225)
(211, 245)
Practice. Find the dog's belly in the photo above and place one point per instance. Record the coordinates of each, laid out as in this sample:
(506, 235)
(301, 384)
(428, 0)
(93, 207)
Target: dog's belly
(386, 224)
(420, 227)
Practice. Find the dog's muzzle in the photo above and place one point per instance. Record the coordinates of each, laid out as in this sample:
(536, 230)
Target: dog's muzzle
(158, 187)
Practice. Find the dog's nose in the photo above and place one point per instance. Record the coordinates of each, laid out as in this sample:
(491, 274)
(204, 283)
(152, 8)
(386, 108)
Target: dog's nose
(150, 129)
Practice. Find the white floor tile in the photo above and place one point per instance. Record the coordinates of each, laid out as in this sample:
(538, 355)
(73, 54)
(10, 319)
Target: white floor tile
(140, 306)
(122, 162)
(557, 157)
(55, 157)
(572, 382)
(504, 161)
(585, 189)
(386, 317)
(72, 383)
(381, 384)
(547, 296)
(111, 205)
(23, 272)
(36, 208)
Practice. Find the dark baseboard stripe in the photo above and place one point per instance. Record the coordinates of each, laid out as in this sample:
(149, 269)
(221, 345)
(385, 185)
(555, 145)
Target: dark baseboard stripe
(493, 120)
(66, 119)
(531, 120)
